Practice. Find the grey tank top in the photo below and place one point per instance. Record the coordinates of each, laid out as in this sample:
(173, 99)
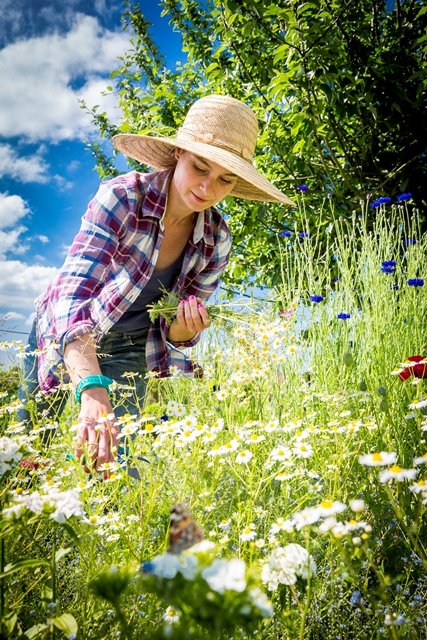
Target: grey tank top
(135, 321)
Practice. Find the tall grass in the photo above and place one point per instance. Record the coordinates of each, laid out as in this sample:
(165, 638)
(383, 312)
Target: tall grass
(267, 450)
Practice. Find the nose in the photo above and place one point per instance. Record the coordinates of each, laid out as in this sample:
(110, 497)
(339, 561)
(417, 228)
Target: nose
(206, 184)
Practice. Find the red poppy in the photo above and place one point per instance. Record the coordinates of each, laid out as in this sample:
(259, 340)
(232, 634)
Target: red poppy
(418, 370)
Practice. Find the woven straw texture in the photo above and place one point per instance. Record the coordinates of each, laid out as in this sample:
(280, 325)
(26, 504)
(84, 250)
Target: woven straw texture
(217, 128)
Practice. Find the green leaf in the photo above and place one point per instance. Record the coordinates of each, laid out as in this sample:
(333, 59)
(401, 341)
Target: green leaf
(280, 53)
(299, 146)
(22, 565)
(66, 623)
(10, 621)
(70, 531)
(61, 553)
(35, 631)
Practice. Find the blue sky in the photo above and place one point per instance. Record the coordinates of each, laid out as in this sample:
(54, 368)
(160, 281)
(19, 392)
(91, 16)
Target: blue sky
(52, 53)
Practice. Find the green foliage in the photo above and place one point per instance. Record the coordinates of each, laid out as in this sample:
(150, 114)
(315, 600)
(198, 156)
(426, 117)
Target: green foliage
(276, 446)
(9, 379)
(338, 87)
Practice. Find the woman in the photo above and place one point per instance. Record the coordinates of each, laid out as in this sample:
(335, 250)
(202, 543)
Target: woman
(141, 233)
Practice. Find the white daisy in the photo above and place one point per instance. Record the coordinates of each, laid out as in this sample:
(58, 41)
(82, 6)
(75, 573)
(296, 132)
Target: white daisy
(397, 473)
(243, 457)
(378, 459)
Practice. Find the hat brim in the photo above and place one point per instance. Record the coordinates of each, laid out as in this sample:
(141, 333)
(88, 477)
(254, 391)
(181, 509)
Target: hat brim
(159, 153)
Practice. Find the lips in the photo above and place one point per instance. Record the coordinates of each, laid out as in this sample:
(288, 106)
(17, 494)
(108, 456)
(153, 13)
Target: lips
(197, 198)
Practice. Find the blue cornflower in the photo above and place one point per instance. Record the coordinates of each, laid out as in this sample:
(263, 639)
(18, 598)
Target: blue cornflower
(335, 280)
(343, 316)
(304, 234)
(388, 266)
(416, 282)
(302, 187)
(148, 567)
(404, 196)
(316, 298)
(380, 201)
(409, 241)
(286, 234)
(164, 418)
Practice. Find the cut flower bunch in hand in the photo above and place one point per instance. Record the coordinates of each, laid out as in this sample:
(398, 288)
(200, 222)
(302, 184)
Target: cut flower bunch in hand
(225, 312)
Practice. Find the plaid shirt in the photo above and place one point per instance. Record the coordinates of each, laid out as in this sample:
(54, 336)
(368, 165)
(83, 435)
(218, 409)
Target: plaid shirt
(109, 263)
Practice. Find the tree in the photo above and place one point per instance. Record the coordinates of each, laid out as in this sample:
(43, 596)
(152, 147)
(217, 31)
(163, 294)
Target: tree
(339, 88)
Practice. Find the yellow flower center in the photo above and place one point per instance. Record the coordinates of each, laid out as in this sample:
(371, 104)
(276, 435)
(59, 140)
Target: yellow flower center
(395, 468)
(377, 457)
(326, 504)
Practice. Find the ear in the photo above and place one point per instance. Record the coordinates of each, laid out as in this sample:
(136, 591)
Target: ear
(178, 152)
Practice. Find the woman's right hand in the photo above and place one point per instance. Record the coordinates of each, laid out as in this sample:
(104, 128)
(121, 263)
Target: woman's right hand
(97, 432)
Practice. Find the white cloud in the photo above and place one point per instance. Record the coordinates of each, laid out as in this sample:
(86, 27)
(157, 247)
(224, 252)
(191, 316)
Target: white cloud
(43, 79)
(25, 169)
(41, 238)
(12, 315)
(12, 209)
(10, 242)
(21, 283)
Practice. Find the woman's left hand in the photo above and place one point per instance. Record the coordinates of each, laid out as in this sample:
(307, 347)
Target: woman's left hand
(191, 318)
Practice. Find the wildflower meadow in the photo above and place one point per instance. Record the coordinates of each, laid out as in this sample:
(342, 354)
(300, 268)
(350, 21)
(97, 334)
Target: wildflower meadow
(301, 453)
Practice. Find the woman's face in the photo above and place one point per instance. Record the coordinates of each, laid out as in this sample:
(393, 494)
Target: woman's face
(198, 184)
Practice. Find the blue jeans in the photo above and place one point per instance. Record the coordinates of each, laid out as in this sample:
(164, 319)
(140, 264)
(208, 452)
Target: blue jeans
(118, 354)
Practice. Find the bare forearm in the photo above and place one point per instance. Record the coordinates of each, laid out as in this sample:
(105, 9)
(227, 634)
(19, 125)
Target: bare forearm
(96, 438)
(80, 358)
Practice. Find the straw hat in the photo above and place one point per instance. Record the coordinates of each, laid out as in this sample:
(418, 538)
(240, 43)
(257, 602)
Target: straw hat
(217, 128)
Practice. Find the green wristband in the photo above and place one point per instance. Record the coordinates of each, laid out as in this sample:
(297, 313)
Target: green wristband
(92, 381)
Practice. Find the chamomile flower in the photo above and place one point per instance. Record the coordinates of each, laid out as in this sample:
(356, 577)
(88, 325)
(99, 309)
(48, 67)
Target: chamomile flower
(186, 436)
(281, 454)
(420, 460)
(128, 430)
(174, 408)
(331, 507)
(357, 505)
(232, 445)
(254, 438)
(281, 477)
(209, 436)
(397, 473)
(419, 487)
(244, 456)
(249, 533)
(189, 422)
(175, 372)
(106, 417)
(378, 459)
(281, 525)
(303, 450)
(418, 404)
(221, 394)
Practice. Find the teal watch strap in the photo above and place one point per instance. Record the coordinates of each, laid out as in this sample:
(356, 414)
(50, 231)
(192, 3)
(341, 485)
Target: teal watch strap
(92, 381)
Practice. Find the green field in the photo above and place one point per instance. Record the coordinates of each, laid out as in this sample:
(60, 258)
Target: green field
(301, 432)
